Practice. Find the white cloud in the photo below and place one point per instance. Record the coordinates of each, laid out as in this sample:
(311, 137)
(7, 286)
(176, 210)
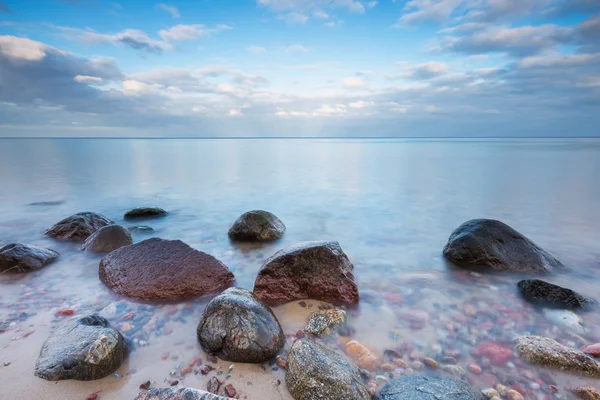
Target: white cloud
(320, 14)
(296, 48)
(234, 112)
(22, 49)
(189, 32)
(361, 104)
(256, 49)
(170, 9)
(87, 79)
(354, 82)
(294, 18)
(137, 88)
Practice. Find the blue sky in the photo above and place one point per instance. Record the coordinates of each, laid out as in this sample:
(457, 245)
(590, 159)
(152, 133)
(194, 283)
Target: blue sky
(300, 68)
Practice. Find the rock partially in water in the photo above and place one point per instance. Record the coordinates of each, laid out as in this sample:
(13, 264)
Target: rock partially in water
(107, 239)
(592, 349)
(322, 322)
(362, 356)
(144, 213)
(427, 388)
(549, 353)
(315, 372)
(142, 229)
(158, 269)
(258, 225)
(566, 319)
(18, 257)
(546, 294)
(587, 393)
(310, 270)
(83, 348)
(237, 327)
(78, 227)
(177, 394)
(490, 244)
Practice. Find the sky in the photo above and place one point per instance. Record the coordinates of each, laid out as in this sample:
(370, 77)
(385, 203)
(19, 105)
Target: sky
(301, 68)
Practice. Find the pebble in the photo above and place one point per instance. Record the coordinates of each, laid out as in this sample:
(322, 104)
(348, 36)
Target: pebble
(417, 365)
(281, 361)
(514, 395)
(503, 390)
(431, 363)
(592, 349)
(454, 370)
(490, 393)
(230, 391)
(361, 355)
(475, 369)
(388, 367)
(145, 385)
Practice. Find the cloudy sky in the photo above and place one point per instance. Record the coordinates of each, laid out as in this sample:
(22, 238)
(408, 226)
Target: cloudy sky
(300, 68)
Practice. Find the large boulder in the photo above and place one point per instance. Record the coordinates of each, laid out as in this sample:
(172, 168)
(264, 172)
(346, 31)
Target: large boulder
(310, 270)
(79, 226)
(549, 353)
(158, 269)
(83, 348)
(259, 226)
(107, 239)
(18, 257)
(490, 244)
(427, 388)
(144, 213)
(237, 327)
(546, 294)
(315, 372)
(177, 394)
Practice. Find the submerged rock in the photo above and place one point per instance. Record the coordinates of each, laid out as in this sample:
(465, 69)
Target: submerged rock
(427, 388)
(79, 226)
(237, 327)
(566, 319)
(18, 257)
(258, 225)
(549, 353)
(362, 356)
(310, 270)
(107, 239)
(177, 394)
(83, 348)
(490, 244)
(158, 269)
(145, 212)
(315, 372)
(321, 323)
(546, 294)
(141, 229)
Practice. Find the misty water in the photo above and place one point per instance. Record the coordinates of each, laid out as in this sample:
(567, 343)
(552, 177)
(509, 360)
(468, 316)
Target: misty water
(391, 204)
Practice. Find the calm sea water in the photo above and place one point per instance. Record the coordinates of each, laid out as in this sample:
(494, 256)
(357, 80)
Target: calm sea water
(390, 203)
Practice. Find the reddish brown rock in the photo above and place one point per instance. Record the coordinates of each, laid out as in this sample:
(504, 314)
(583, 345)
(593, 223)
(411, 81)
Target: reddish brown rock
(177, 394)
(587, 393)
(158, 269)
(310, 270)
(592, 349)
(496, 353)
(78, 226)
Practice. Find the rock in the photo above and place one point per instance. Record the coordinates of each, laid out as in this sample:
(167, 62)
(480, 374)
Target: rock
(362, 356)
(213, 385)
(177, 394)
(107, 239)
(587, 393)
(142, 229)
(592, 349)
(158, 269)
(549, 353)
(78, 227)
(315, 372)
(82, 348)
(514, 395)
(18, 257)
(261, 226)
(145, 212)
(427, 388)
(490, 244)
(321, 323)
(565, 318)
(310, 270)
(237, 327)
(546, 294)
(496, 353)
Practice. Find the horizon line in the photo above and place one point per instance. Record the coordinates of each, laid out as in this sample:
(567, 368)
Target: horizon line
(294, 137)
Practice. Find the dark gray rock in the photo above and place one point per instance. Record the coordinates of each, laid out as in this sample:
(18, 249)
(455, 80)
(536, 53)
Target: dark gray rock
(315, 372)
(145, 212)
(177, 394)
(546, 294)
(142, 229)
(490, 244)
(82, 348)
(237, 327)
(107, 239)
(258, 225)
(78, 226)
(18, 257)
(427, 388)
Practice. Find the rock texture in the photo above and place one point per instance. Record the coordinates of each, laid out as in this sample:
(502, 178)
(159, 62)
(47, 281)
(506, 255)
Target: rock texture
(427, 388)
(490, 244)
(546, 294)
(587, 393)
(107, 239)
(321, 323)
(83, 348)
(310, 270)
(158, 269)
(260, 226)
(177, 394)
(145, 212)
(237, 327)
(18, 257)
(315, 372)
(549, 353)
(78, 227)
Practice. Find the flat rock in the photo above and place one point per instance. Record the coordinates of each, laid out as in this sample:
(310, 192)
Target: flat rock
(145, 212)
(489, 244)
(82, 348)
(237, 327)
(78, 227)
(549, 353)
(322, 322)
(546, 294)
(315, 372)
(310, 270)
(158, 269)
(427, 388)
(258, 225)
(107, 239)
(177, 394)
(18, 257)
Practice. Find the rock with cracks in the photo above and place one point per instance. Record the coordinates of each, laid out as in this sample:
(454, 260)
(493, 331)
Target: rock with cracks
(18, 257)
(427, 388)
(78, 227)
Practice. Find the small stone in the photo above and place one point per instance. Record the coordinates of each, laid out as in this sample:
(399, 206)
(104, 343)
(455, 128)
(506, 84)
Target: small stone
(400, 363)
(205, 369)
(388, 367)
(361, 355)
(431, 363)
(230, 391)
(475, 369)
(587, 393)
(145, 385)
(174, 382)
(213, 385)
(514, 395)
(65, 312)
(281, 361)
(592, 349)
(490, 393)
(322, 322)
(496, 353)
(418, 365)
(454, 370)
(503, 390)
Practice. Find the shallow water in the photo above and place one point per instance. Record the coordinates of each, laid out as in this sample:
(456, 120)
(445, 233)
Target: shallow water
(390, 203)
